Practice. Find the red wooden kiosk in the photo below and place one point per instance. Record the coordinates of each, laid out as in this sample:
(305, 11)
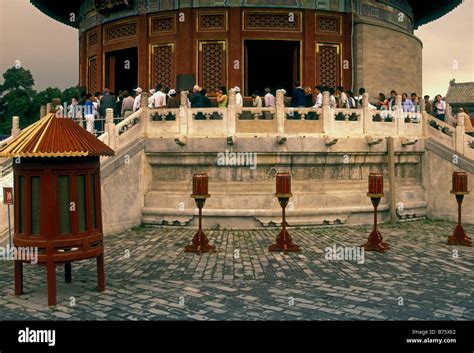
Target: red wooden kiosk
(57, 197)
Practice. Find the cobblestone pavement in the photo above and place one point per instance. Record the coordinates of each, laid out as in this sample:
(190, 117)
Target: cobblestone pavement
(149, 277)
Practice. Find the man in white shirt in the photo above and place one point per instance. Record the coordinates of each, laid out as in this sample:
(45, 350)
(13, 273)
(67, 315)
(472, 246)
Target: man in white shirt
(160, 100)
(332, 99)
(138, 95)
(342, 97)
(440, 108)
(270, 102)
(151, 98)
(319, 97)
(159, 97)
(269, 98)
(239, 101)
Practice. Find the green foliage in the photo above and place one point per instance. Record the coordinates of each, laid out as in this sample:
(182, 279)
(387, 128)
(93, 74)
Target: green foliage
(70, 92)
(17, 97)
(17, 79)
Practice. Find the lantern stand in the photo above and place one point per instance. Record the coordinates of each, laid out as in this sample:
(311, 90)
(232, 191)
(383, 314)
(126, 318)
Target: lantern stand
(284, 242)
(200, 243)
(375, 241)
(459, 236)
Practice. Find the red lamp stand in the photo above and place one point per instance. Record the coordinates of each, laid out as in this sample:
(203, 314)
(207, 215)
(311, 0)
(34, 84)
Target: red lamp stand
(459, 236)
(375, 241)
(200, 243)
(284, 242)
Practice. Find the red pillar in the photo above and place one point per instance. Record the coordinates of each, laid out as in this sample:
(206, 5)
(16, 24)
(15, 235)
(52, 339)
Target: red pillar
(143, 52)
(308, 53)
(234, 49)
(185, 52)
(100, 59)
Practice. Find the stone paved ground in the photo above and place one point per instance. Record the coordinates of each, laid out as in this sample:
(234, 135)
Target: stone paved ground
(418, 279)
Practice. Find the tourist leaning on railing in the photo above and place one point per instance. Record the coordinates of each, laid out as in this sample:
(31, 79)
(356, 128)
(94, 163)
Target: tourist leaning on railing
(173, 101)
(439, 106)
(318, 90)
(270, 102)
(359, 97)
(351, 102)
(221, 97)
(383, 102)
(308, 97)
(392, 100)
(407, 104)
(342, 97)
(73, 110)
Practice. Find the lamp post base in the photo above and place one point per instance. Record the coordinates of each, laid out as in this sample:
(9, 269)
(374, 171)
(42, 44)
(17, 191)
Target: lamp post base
(375, 242)
(459, 237)
(200, 244)
(284, 243)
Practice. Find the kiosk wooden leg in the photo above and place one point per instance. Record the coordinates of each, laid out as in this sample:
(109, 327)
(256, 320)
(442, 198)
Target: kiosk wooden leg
(18, 277)
(51, 279)
(67, 272)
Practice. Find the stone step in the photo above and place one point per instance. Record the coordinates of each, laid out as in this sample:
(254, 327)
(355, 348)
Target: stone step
(238, 217)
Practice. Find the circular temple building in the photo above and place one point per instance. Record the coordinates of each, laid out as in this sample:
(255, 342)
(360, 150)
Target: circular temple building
(252, 44)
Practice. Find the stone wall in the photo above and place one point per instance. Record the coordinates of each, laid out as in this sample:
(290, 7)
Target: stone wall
(386, 58)
(125, 178)
(329, 184)
(438, 183)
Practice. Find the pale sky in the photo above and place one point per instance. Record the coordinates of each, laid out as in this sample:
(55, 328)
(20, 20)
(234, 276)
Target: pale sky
(50, 49)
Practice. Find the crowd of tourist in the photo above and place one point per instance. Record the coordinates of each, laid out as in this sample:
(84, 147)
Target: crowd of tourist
(92, 107)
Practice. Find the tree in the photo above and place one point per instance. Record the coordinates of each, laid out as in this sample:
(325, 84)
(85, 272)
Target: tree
(17, 78)
(16, 97)
(44, 97)
(70, 92)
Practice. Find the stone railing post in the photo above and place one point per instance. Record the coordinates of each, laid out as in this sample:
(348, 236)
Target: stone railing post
(327, 118)
(399, 114)
(367, 118)
(231, 114)
(42, 111)
(460, 132)
(49, 108)
(183, 113)
(15, 126)
(145, 115)
(110, 128)
(425, 122)
(280, 111)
